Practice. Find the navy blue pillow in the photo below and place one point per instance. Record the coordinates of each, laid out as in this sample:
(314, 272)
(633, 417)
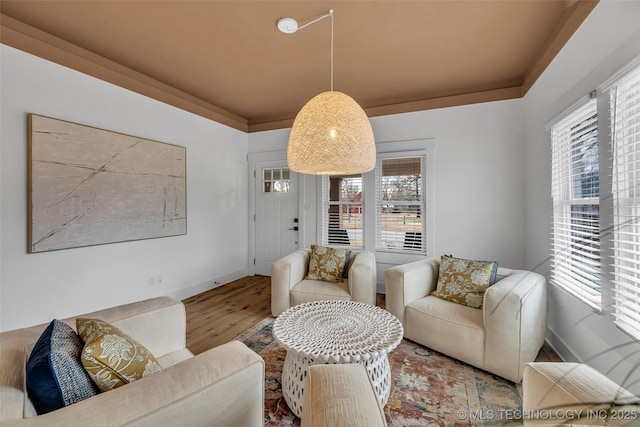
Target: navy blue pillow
(347, 265)
(55, 376)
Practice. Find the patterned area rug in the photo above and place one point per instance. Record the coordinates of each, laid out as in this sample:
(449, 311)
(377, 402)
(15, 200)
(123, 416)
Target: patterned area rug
(428, 388)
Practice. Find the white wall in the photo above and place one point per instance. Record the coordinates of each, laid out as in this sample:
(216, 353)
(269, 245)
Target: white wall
(479, 206)
(479, 188)
(607, 40)
(35, 288)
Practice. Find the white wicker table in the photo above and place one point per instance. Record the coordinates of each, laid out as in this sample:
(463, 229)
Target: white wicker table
(335, 332)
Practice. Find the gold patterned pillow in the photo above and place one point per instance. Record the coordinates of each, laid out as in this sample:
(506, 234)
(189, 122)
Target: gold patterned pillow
(111, 357)
(463, 281)
(326, 264)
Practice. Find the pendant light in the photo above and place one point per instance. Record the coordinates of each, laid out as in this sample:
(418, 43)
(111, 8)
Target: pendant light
(331, 134)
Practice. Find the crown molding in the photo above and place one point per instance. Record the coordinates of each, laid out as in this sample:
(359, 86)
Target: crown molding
(44, 45)
(566, 28)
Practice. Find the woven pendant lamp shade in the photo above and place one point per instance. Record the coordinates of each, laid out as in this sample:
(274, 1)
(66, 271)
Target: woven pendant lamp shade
(331, 135)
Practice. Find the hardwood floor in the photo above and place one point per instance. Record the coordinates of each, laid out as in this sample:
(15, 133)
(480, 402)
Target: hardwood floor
(221, 314)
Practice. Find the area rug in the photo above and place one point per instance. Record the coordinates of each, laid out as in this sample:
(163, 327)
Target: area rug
(428, 388)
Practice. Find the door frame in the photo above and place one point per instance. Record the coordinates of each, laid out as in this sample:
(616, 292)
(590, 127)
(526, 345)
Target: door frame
(253, 159)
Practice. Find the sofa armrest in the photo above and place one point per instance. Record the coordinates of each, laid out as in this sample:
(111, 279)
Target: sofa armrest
(221, 387)
(409, 282)
(515, 321)
(287, 272)
(339, 395)
(362, 278)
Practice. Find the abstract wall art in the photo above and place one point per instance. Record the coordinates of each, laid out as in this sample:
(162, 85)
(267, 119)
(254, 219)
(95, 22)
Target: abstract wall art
(89, 186)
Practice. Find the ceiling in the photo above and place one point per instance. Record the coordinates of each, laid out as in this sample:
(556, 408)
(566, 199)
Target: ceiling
(227, 61)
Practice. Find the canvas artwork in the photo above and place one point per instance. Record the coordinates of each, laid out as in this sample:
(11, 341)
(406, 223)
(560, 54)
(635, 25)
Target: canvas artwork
(90, 186)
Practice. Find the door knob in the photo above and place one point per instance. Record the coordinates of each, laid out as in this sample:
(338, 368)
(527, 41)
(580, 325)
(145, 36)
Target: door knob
(294, 228)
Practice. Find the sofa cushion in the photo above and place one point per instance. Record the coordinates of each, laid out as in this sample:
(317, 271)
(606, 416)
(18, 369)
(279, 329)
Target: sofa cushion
(464, 281)
(111, 357)
(326, 264)
(174, 358)
(315, 290)
(55, 377)
(452, 329)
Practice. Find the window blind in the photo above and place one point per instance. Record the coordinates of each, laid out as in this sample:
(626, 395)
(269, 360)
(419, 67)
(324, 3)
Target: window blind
(342, 210)
(625, 120)
(400, 204)
(575, 258)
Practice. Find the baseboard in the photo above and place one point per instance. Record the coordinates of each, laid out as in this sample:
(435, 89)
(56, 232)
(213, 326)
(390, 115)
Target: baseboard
(198, 288)
(561, 349)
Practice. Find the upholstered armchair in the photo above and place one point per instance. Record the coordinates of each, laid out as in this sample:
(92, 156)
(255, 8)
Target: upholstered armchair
(575, 394)
(501, 337)
(289, 286)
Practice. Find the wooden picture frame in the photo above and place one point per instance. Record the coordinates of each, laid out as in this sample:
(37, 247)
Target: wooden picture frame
(88, 186)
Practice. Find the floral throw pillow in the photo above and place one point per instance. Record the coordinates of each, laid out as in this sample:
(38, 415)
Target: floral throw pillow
(111, 357)
(326, 264)
(463, 281)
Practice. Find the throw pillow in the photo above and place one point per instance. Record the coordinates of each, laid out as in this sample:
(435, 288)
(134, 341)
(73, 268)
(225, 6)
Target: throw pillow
(348, 262)
(464, 281)
(111, 357)
(54, 375)
(326, 264)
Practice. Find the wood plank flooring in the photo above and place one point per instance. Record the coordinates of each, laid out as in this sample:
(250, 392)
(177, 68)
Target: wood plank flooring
(219, 315)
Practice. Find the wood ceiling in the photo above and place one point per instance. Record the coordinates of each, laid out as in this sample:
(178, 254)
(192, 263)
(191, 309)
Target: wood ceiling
(226, 60)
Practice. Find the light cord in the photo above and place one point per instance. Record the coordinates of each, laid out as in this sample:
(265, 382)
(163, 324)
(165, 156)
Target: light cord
(331, 13)
(313, 22)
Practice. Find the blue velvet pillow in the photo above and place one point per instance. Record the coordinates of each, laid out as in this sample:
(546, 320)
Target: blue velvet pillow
(55, 376)
(347, 264)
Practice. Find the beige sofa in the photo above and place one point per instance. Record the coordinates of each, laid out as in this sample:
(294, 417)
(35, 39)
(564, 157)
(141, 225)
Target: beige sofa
(221, 387)
(500, 338)
(289, 286)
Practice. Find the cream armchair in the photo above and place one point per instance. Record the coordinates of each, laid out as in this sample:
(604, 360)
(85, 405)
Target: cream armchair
(289, 286)
(501, 338)
(575, 394)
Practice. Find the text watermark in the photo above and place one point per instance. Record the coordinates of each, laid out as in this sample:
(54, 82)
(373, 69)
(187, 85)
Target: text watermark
(482, 415)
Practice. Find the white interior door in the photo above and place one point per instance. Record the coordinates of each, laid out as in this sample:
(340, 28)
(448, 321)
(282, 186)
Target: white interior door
(276, 218)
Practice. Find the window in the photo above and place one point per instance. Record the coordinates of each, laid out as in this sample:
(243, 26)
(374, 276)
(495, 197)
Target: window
(625, 138)
(576, 204)
(387, 210)
(276, 180)
(342, 211)
(400, 204)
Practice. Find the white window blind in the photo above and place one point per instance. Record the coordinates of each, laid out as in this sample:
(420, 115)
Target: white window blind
(342, 210)
(400, 204)
(575, 258)
(625, 120)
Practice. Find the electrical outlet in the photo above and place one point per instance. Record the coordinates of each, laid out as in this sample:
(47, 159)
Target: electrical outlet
(156, 280)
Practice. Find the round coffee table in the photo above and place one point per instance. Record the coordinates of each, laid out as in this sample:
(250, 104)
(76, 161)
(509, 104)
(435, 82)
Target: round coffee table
(321, 332)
